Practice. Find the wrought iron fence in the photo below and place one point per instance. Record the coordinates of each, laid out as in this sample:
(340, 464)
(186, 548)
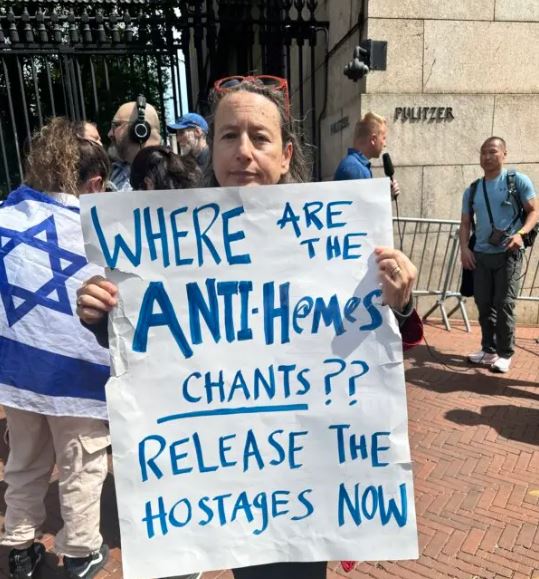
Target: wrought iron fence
(83, 58)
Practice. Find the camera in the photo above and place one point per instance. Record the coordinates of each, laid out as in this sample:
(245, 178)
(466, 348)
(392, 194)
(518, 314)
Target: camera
(498, 237)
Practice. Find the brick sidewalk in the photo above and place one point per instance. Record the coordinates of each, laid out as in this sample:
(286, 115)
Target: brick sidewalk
(475, 447)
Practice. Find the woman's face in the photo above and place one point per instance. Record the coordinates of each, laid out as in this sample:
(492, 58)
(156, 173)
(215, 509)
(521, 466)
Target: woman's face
(247, 146)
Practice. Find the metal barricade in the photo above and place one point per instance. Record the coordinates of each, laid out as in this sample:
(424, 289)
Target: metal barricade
(433, 247)
(529, 285)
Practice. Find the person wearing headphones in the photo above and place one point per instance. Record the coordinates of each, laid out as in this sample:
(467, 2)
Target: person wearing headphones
(134, 126)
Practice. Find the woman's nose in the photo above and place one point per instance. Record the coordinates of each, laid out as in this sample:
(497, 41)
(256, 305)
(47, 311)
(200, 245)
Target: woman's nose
(245, 148)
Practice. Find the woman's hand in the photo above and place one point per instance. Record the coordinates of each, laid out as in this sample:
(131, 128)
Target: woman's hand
(397, 275)
(95, 299)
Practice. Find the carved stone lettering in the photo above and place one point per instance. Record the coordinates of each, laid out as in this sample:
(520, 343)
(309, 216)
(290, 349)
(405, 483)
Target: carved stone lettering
(424, 114)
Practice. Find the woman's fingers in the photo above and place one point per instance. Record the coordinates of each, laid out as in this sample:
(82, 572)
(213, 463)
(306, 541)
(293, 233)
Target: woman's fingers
(90, 315)
(397, 275)
(384, 253)
(95, 298)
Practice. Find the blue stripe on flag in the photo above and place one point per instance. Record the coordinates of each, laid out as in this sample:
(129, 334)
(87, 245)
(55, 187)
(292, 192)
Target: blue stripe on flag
(25, 193)
(51, 374)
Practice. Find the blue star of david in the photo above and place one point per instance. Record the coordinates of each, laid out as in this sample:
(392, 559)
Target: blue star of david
(60, 272)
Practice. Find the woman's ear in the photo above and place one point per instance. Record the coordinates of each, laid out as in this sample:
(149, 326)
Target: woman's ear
(148, 184)
(288, 151)
(94, 184)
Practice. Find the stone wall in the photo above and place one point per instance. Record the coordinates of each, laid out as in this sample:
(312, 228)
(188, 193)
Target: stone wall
(477, 60)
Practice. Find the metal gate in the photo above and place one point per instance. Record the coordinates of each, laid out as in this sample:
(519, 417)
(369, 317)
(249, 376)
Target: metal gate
(83, 58)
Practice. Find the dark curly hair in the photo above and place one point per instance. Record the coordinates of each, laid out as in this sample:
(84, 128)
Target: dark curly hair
(300, 165)
(164, 169)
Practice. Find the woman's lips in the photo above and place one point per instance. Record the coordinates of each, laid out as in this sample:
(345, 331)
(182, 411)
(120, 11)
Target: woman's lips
(243, 175)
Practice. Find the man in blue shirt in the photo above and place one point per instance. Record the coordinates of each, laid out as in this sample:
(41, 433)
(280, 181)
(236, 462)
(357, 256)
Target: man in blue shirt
(496, 259)
(370, 135)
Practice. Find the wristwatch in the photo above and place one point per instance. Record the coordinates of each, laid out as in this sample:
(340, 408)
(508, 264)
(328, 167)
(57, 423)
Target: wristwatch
(521, 232)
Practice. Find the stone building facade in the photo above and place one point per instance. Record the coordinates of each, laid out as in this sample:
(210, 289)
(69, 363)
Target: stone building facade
(457, 72)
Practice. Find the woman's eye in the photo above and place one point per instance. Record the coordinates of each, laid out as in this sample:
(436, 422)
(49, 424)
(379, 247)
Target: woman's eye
(261, 138)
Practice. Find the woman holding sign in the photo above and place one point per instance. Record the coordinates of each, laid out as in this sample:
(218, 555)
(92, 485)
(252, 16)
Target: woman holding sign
(253, 143)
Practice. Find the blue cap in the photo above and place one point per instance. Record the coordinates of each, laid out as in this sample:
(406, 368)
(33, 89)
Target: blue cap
(189, 121)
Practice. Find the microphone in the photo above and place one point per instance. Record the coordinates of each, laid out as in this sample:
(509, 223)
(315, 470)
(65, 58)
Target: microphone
(389, 170)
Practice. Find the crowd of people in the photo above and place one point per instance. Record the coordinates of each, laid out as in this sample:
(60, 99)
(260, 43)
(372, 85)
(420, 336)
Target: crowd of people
(250, 140)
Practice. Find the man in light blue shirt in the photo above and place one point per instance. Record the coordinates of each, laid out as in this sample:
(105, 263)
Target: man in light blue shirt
(496, 258)
(370, 135)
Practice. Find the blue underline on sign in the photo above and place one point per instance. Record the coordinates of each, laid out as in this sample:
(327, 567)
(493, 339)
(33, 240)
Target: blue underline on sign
(228, 411)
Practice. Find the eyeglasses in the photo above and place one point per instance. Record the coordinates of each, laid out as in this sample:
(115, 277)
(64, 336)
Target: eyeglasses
(116, 124)
(228, 83)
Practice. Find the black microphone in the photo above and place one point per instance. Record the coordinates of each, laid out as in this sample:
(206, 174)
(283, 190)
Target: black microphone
(389, 170)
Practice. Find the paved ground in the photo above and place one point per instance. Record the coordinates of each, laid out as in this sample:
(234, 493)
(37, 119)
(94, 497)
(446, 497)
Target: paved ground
(475, 447)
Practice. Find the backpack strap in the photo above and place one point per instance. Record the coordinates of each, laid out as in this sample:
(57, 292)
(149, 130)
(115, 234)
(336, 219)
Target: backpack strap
(473, 190)
(487, 204)
(514, 198)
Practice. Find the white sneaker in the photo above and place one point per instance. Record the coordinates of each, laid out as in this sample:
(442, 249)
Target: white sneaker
(482, 357)
(501, 365)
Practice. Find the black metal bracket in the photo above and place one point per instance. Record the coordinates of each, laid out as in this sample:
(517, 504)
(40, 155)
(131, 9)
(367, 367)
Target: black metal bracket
(369, 55)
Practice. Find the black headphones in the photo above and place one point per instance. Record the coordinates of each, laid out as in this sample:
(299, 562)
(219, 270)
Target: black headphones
(140, 130)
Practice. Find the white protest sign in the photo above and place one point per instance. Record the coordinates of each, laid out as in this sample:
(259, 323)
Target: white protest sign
(258, 409)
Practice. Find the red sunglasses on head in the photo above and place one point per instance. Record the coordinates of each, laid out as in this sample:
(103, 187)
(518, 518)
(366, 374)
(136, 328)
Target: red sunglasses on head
(274, 82)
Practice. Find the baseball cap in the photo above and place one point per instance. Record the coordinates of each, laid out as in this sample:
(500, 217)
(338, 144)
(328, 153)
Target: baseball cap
(189, 120)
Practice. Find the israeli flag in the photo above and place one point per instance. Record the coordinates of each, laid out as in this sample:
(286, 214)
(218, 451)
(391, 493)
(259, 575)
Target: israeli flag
(49, 363)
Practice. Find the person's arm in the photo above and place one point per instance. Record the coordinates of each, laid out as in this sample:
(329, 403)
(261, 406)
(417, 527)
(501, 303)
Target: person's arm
(99, 330)
(532, 215)
(466, 254)
(410, 326)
